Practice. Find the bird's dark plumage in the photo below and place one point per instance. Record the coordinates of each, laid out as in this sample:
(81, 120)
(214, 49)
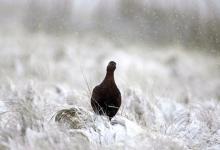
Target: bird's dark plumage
(106, 97)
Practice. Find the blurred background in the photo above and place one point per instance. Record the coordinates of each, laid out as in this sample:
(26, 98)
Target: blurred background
(159, 23)
(157, 42)
(172, 45)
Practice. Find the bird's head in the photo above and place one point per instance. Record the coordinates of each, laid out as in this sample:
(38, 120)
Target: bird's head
(111, 66)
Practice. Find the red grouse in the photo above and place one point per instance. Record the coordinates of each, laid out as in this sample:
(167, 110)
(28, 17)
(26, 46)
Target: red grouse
(106, 97)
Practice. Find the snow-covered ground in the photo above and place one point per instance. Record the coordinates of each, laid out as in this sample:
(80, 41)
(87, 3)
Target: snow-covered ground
(170, 96)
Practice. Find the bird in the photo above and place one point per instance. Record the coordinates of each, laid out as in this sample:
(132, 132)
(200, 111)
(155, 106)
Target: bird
(106, 97)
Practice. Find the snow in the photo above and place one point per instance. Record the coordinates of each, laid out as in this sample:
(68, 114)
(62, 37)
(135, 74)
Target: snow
(170, 96)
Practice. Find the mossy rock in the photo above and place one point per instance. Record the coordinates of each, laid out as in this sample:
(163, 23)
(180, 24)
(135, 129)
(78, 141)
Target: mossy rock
(75, 117)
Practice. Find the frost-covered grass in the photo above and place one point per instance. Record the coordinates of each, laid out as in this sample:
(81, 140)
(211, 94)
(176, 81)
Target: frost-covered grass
(170, 96)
